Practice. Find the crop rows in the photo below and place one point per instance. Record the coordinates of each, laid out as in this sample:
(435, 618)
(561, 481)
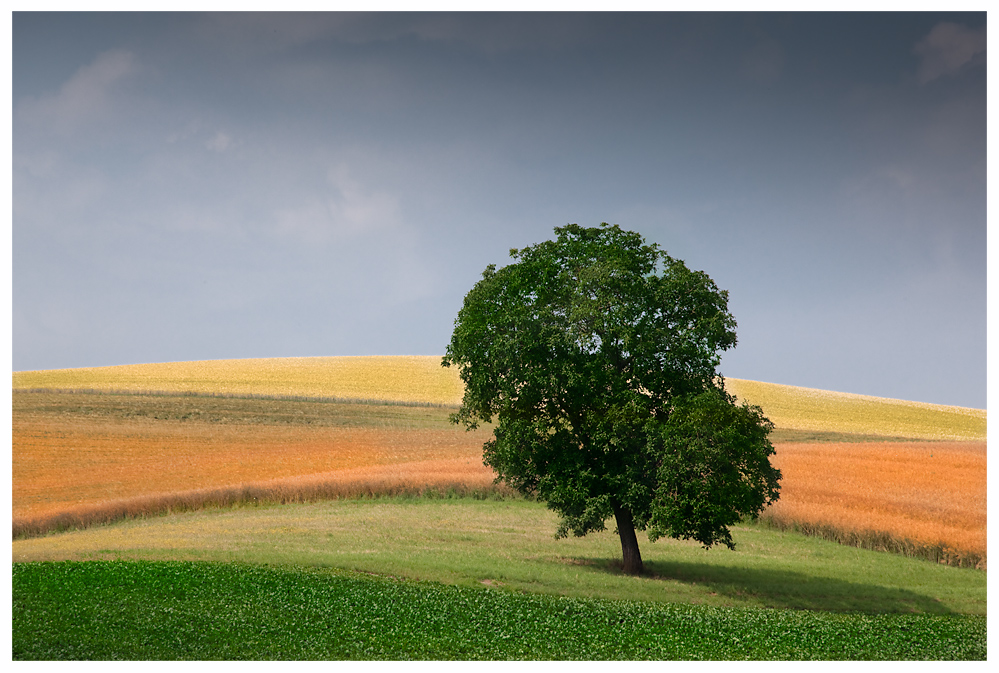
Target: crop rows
(926, 498)
(197, 611)
(86, 458)
(422, 380)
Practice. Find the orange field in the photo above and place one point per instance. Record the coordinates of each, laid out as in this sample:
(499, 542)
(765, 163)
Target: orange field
(931, 493)
(56, 467)
(80, 459)
(65, 463)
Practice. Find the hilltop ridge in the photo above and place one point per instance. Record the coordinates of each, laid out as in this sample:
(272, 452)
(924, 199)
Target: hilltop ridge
(420, 379)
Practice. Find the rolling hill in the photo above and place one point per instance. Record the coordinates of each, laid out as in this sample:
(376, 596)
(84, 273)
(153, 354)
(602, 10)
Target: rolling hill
(421, 380)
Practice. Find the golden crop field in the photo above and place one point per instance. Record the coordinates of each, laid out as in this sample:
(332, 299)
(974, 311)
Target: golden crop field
(796, 408)
(413, 379)
(422, 379)
(86, 454)
(89, 457)
(62, 465)
(930, 493)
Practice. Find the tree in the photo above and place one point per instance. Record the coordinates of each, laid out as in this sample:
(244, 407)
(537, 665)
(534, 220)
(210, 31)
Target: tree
(597, 355)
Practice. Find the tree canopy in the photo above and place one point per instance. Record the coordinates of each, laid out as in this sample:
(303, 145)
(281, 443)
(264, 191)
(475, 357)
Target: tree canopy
(597, 355)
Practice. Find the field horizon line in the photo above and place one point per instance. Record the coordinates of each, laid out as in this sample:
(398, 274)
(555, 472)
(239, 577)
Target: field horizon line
(237, 396)
(808, 390)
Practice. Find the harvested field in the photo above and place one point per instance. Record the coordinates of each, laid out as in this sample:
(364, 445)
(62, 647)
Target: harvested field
(931, 494)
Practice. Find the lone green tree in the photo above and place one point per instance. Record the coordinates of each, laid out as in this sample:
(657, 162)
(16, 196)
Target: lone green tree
(597, 355)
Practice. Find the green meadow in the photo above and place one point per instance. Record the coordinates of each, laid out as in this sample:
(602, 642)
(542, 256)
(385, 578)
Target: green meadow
(510, 543)
(456, 578)
(211, 611)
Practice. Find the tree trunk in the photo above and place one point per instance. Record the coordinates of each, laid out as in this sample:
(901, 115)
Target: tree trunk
(629, 541)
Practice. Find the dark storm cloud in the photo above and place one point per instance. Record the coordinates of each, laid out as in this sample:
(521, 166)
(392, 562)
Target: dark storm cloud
(193, 186)
(949, 49)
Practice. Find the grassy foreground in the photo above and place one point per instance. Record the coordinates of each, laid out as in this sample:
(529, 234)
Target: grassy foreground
(201, 611)
(510, 543)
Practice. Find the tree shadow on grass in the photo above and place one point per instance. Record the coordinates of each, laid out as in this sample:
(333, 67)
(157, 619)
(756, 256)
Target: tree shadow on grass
(786, 589)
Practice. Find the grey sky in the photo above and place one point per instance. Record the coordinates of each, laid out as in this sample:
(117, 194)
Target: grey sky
(200, 186)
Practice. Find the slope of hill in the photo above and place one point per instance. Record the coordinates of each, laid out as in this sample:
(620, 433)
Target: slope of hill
(92, 456)
(416, 379)
(421, 380)
(796, 408)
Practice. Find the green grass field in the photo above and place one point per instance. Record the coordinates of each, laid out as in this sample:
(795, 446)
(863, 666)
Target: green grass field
(511, 542)
(200, 611)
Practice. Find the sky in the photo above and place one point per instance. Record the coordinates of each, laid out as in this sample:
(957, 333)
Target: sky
(210, 186)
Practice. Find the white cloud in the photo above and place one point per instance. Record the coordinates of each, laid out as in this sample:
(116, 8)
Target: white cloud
(220, 142)
(357, 209)
(348, 209)
(362, 230)
(84, 98)
(189, 129)
(45, 163)
(310, 221)
(948, 49)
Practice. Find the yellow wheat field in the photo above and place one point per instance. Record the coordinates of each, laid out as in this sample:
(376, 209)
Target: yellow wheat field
(418, 378)
(797, 408)
(422, 379)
